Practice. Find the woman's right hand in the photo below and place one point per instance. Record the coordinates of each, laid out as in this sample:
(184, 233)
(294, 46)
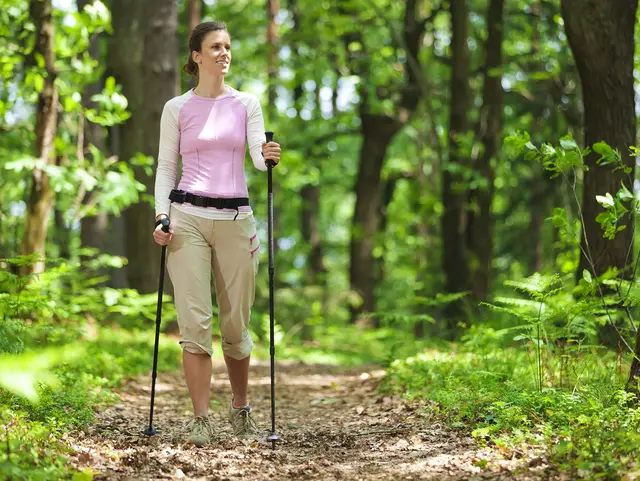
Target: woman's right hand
(161, 237)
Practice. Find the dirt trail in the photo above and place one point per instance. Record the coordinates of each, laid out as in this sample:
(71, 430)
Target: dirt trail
(333, 424)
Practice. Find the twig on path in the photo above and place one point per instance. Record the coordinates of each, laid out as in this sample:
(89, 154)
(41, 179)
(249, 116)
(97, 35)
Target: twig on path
(384, 431)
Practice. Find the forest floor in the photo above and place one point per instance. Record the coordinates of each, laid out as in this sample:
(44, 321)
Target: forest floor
(332, 421)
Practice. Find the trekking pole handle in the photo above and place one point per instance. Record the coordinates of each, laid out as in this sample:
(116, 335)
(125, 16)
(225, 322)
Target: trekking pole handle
(165, 224)
(269, 136)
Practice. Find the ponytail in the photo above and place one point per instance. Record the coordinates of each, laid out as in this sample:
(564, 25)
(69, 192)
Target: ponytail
(191, 67)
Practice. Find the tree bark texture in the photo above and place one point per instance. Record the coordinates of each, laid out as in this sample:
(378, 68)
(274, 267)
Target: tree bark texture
(601, 36)
(41, 197)
(539, 203)
(480, 247)
(311, 234)
(455, 262)
(142, 57)
(194, 18)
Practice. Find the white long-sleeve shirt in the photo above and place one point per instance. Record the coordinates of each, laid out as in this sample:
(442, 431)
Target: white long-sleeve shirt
(211, 136)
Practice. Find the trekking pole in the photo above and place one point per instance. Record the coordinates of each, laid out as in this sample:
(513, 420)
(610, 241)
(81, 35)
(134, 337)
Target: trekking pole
(273, 436)
(150, 431)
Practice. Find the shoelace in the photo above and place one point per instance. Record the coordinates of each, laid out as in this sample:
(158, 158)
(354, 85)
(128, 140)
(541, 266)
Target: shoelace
(201, 425)
(244, 422)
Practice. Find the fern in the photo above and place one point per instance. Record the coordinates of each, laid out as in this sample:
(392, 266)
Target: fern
(440, 299)
(507, 310)
(537, 285)
(523, 304)
(558, 324)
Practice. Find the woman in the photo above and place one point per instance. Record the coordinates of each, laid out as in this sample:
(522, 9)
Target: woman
(212, 225)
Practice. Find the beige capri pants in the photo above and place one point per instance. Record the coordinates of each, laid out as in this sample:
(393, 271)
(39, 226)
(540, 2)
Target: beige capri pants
(229, 249)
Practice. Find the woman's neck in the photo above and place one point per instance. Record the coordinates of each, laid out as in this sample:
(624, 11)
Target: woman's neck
(212, 87)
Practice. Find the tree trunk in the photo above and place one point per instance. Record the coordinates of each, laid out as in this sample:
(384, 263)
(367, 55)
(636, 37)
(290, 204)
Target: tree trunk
(309, 193)
(41, 198)
(538, 191)
(271, 113)
(311, 234)
(388, 189)
(194, 18)
(601, 36)
(377, 131)
(480, 226)
(143, 58)
(62, 234)
(272, 56)
(195, 14)
(538, 209)
(424, 185)
(453, 197)
(93, 229)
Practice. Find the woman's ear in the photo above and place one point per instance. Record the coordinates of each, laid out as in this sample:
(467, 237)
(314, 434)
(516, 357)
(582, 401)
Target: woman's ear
(196, 57)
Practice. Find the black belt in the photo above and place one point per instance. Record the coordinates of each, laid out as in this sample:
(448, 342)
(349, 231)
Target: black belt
(180, 196)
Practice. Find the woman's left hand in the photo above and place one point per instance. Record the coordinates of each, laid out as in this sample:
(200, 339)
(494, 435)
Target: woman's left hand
(271, 151)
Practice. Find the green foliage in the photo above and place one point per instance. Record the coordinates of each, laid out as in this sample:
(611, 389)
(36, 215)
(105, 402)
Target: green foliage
(590, 429)
(31, 450)
(348, 346)
(85, 180)
(66, 301)
(61, 363)
(566, 157)
(23, 374)
(541, 381)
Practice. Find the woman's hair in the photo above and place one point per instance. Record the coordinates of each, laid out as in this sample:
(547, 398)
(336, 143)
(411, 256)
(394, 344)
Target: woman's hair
(195, 43)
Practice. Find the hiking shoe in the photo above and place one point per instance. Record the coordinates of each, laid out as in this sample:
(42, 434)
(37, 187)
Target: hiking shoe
(200, 430)
(243, 424)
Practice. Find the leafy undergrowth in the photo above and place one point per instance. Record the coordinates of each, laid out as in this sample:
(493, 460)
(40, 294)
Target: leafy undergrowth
(77, 385)
(347, 346)
(588, 426)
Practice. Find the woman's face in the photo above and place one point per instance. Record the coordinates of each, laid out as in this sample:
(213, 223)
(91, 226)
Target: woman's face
(214, 57)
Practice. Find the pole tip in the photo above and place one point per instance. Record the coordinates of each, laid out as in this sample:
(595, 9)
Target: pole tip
(273, 437)
(150, 431)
